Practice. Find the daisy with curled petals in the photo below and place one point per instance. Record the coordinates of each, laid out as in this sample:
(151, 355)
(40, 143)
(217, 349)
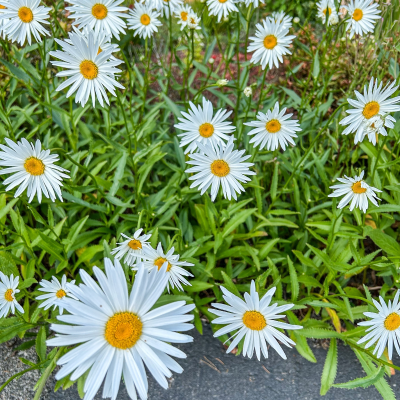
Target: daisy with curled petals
(254, 320)
(363, 15)
(273, 129)
(270, 43)
(88, 70)
(117, 334)
(384, 327)
(102, 15)
(219, 166)
(326, 8)
(282, 18)
(182, 12)
(202, 126)
(143, 20)
(56, 293)
(32, 168)
(355, 190)
(25, 18)
(132, 248)
(8, 290)
(155, 259)
(374, 103)
(193, 21)
(221, 8)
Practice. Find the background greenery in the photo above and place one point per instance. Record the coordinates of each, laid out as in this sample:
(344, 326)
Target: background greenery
(127, 171)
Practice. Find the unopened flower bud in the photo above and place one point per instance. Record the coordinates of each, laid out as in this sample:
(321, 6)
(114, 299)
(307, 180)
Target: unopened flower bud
(248, 91)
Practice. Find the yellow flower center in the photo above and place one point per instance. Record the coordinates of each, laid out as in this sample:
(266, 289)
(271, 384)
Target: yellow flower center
(159, 262)
(8, 295)
(145, 19)
(371, 109)
(34, 166)
(327, 9)
(89, 69)
(254, 320)
(192, 20)
(184, 15)
(392, 321)
(220, 168)
(25, 14)
(206, 130)
(358, 14)
(273, 126)
(270, 42)
(356, 188)
(123, 330)
(222, 1)
(135, 244)
(99, 11)
(61, 293)
(2, 7)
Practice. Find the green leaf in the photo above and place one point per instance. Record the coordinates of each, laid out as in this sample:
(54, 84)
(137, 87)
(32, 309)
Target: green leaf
(118, 174)
(236, 220)
(5, 210)
(319, 333)
(50, 246)
(316, 67)
(7, 264)
(363, 382)
(330, 368)
(27, 283)
(229, 285)
(12, 331)
(293, 279)
(197, 286)
(384, 241)
(41, 343)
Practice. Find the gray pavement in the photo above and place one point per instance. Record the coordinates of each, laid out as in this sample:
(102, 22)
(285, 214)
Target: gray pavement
(210, 373)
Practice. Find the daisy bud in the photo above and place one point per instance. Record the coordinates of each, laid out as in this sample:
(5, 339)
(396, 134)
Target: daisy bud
(222, 82)
(211, 60)
(296, 20)
(248, 91)
(334, 19)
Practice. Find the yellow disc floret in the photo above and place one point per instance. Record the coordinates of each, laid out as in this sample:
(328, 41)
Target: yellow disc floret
(135, 244)
(34, 166)
(99, 11)
(184, 16)
(356, 188)
(357, 14)
(270, 42)
(392, 321)
(145, 19)
(206, 130)
(273, 126)
(89, 69)
(123, 330)
(371, 109)
(159, 262)
(8, 295)
(60, 293)
(220, 168)
(254, 320)
(25, 14)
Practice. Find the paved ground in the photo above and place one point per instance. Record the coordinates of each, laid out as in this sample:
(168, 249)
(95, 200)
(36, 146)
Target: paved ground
(212, 374)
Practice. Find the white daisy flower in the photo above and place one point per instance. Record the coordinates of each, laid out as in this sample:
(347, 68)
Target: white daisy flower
(384, 327)
(255, 3)
(254, 320)
(118, 334)
(270, 43)
(169, 7)
(273, 129)
(101, 37)
(156, 259)
(221, 8)
(202, 126)
(220, 166)
(25, 18)
(8, 290)
(281, 18)
(88, 70)
(375, 102)
(32, 168)
(56, 293)
(182, 12)
(3, 22)
(132, 248)
(143, 20)
(193, 21)
(376, 125)
(327, 7)
(355, 190)
(99, 14)
(363, 15)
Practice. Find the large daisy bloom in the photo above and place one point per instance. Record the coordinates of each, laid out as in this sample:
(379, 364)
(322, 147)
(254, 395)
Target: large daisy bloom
(270, 43)
(356, 191)
(117, 334)
(182, 12)
(156, 258)
(363, 15)
(132, 248)
(8, 290)
(88, 70)
(273, 129)
(25, 18)
(219, 166)
(374, 103)
(221, 8)
(327, 7)
(384, 327)
(202, 126)
(102, 15)
(282, 18)
(32, 168)
(254, 320)
(55, 293)
(144, 21)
